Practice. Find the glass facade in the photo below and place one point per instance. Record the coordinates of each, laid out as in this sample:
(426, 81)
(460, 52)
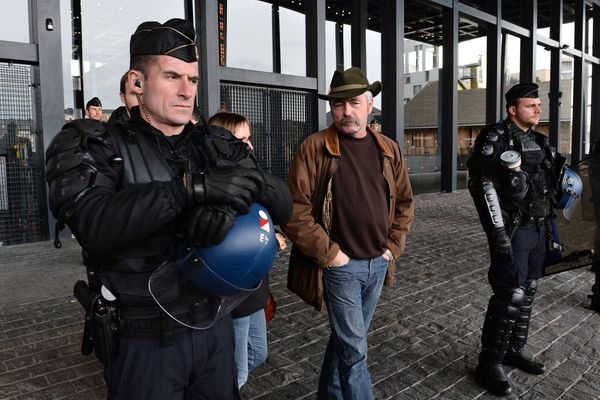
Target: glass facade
(568, 31)
(15, 27)
(95, 54)
(374, 62)
(422, 67)
(293, 42)
(587, 144)
(249, 35)
(106, 26)
(566, 109)
(472, 82)
(512, 59)
(330, 48)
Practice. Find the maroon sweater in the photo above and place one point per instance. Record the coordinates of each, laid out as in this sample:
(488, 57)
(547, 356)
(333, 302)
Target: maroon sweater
(360, 210)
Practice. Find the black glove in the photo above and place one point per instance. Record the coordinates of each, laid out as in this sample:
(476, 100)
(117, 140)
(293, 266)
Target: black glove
(206, 225)
(230, 185)
(500, 247)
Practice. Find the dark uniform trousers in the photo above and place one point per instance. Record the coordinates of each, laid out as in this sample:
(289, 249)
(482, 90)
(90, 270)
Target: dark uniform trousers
(529, 251)
(200, 361)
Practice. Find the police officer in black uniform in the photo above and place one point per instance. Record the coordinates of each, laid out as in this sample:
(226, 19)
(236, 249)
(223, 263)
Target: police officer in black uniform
(513, 182)
(132, 193)
(595, 184)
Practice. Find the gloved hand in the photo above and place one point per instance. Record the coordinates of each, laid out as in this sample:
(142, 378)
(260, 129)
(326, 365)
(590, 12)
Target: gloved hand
(206, 225)
(500, 247)
(226, 185)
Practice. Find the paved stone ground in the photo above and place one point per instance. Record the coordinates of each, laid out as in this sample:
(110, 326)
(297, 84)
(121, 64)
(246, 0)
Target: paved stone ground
(424, 338)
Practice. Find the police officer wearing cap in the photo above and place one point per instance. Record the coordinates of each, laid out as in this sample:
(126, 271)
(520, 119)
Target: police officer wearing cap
(594, 163)
(135, 192)
(513, 182)
(93, 109)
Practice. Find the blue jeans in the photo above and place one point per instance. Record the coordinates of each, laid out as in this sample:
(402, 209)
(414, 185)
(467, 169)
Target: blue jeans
(351, 293)
(250, 343)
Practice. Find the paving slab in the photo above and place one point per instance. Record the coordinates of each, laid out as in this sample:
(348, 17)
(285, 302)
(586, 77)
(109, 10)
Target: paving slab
(423, 342)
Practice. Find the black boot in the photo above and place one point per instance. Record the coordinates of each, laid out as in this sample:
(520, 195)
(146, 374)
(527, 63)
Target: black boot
(595, 296)
(502, 311)
(516, 356)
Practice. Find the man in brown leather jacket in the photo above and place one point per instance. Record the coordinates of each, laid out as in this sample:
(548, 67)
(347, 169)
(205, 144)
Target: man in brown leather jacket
(353, 207)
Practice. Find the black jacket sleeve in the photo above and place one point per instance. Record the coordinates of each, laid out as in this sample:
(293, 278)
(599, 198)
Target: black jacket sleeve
(105, 218)
(483, 177)
(277, 198)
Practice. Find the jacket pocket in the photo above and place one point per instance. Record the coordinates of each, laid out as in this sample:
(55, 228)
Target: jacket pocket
(305, 279)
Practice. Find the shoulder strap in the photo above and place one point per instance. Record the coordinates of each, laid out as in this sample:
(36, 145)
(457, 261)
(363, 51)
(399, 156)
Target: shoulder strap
(140, 160)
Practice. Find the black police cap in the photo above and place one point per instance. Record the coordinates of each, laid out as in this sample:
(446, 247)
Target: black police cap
(94, 102)
(520, 90)
(175, 38)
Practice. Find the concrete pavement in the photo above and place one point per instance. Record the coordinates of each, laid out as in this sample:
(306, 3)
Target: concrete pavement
(424, 338)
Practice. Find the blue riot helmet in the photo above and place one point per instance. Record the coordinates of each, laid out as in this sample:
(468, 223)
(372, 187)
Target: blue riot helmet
(571, 188)
(239, 262)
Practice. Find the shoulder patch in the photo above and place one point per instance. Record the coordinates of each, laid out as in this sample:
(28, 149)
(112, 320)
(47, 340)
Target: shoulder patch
(499, 129)
(492, 136)
(90, 127)
(487, 150)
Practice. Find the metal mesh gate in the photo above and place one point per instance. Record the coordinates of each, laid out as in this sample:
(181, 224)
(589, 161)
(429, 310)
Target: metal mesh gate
(20, 158)
(280, 119)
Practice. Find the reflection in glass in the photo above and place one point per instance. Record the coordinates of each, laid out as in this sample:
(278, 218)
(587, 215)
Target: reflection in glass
(14, 27)
(347, 46)
(374, 62)
(566, 108)
(568, 29)
(249, 35)
(330, 60)
(70, 67)
(512, 60)
(544, 20)
(293, 42)
(590, 31)
(511, 11)
(588, 110)
(107, 26)
(472, 62)
(420, 111)
(422, 59)
(542, 64)
(331, 49)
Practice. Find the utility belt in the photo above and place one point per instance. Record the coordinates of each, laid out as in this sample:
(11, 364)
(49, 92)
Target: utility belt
(106, 322)
(528, 220)
(152, 322)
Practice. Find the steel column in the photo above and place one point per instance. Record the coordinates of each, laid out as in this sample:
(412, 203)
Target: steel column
(493, 93)
(207, 29)
(359, 35)
(276, 33)
(339, 46)
(392, 67)
(555, 73)
(528, 44)
(578, 85)
(315, 54)
(448, 99)
(595, 116)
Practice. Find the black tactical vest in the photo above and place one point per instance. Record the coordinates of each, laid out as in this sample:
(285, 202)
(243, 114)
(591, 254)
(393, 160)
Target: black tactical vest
(535, 163)
(142, 157)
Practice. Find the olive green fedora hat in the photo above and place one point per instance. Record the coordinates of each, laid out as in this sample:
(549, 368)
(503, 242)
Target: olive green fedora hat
(350, 83)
